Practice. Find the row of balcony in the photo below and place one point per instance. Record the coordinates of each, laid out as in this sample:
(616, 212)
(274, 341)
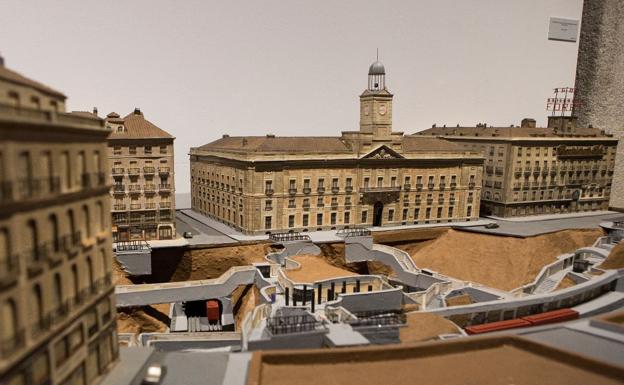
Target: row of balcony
(135, 171)
(43, 187)
(49, 252)
(139, 206)
(349, 189)
(120, 189)
(151, 219)
(60, 312)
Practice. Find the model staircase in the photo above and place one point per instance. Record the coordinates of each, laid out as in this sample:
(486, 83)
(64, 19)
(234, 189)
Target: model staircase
(550, 283)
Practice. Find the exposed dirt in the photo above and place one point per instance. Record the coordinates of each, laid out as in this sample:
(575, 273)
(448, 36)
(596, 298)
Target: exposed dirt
(615, 260)
(500, 262)
(315, 268)
(411, 235)
(565, 283)
(425, 326)
(212, 262)
(333, 253)
(145, 319)
(459, 300)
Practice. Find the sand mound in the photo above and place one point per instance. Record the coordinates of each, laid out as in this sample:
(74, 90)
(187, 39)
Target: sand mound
(212, 262)
(408, 235)
(615, 260)
(425, 326)
(315, 268)
(565, 283)
(146, 319)
(245, 298)
(333, 253)
(501, 262)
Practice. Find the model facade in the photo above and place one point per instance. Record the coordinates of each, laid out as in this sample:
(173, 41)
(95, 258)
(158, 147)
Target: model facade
(371, 177)
(533, 170)
(143, 188)
(57, 309)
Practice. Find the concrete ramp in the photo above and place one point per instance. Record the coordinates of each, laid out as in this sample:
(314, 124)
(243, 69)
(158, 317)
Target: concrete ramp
(362, 249)
(294, 247)
(134, 257)
(147, 294)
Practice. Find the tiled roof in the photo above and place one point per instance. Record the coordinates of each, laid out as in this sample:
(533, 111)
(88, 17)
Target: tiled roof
(290, 144)
(14, 77)
(429, 144)
(506, 132)
(137, 127)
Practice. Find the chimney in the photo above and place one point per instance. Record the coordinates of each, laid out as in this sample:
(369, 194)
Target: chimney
(270, 135)
(566, 124)
(225, 136)
(528, 123)
(1, 61)
(95, 111)
(137, 111)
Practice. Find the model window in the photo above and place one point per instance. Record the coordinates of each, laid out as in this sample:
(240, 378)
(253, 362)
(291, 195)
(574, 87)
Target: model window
(267, 223)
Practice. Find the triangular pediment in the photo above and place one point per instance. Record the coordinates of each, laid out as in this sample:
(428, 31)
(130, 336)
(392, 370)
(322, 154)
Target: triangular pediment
(383, 152)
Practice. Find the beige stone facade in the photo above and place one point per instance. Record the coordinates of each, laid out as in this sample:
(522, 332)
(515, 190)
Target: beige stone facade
(57, 304)
(533, 170)
(141, 171)
(370, 177)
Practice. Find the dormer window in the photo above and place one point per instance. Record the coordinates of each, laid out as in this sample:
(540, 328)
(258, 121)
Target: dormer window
(120, 129)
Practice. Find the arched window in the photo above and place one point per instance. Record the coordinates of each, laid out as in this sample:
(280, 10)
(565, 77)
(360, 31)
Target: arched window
(6, 262)
(86, 227)
(90, 273)
(33, 239)
(75, 281)
(101, 219)
(57, 299)
(36, 304)
(8, 326)
(56, 244)
(105, 261)
(72, 224)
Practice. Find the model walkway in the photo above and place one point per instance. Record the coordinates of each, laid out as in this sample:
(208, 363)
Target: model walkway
(147, 294)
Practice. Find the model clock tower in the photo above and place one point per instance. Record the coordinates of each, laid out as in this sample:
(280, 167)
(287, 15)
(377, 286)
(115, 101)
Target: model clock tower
(376, 104)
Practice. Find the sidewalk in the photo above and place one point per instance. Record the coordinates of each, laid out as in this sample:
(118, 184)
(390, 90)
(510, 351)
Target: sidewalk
(548, 217)
(317, 236)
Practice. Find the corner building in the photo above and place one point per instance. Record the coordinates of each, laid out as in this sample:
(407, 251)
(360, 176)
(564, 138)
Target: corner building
(57, 309)
(370, 177)
(143, 186)
(529, 170)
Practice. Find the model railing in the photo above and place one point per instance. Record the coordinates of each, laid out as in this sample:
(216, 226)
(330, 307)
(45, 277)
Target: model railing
(353, 232)
(285, 237)
(125, 246)
(293, 324)
(373, 318)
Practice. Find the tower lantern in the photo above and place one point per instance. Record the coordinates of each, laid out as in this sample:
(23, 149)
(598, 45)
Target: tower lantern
(376, 104)
(376, 76)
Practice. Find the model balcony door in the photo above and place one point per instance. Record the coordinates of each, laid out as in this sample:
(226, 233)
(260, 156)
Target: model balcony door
(377, 213)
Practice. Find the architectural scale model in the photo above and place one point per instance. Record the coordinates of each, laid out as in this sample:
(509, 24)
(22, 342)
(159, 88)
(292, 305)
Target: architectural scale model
(57, 303)
(371, 177)
(561, 168)
(143, 192)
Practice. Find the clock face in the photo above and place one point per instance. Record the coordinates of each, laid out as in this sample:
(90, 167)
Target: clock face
(366, 109)
(382, 109)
